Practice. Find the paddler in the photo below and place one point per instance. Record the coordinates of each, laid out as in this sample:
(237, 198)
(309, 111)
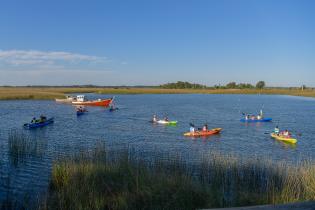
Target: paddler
(111, 106)
(286, 133)
(260, 115)
(33, 120)
(42, 118)
(192, 128)
(154, 119)
(277, 130)
(205, 127)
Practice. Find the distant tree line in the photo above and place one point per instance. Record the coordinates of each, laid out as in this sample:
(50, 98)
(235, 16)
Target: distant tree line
(230, 85)
(234, 85)
(183, 85)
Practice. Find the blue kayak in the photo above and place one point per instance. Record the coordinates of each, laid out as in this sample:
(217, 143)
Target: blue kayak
(80, 113)
(38, 124)
(256, 120)
(113, 109)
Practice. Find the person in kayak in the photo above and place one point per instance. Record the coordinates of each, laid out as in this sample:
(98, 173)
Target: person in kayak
(205, 127)
(277, 131)
(286, 134)
(42, 118)
(260, 115)
(33, 120)
(112, 106)
(154, 119)
(192, 128)
(81, 109)
(166, 119)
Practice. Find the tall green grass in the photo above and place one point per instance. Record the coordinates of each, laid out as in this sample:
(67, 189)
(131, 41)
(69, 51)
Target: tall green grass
(109, 179)
(21, 147)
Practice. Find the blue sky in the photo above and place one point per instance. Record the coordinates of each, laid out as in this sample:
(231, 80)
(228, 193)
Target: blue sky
(149, 42)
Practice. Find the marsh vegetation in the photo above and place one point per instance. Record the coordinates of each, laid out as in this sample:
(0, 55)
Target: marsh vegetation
(104, 179)
(48, 93)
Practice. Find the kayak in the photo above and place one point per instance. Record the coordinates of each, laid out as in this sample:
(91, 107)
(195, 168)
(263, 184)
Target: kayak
(166, 122)
(283, 138)
(256, 120)
(203, 133)
(80, 113)
(38, 124)
(113, 109)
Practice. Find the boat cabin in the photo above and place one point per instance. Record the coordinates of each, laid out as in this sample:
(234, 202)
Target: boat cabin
(69, 97)
(80, 98)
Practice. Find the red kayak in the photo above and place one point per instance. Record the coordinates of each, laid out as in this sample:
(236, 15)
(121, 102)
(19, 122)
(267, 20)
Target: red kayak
(203, 133)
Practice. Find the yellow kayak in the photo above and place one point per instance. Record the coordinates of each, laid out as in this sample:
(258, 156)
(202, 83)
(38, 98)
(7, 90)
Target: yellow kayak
(283, 138)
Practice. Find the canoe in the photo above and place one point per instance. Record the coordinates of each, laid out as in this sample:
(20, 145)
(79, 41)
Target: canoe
(99, 102)
(283, 138)
(38, 124)
(256, 120)
(204, 133)
(166, 122)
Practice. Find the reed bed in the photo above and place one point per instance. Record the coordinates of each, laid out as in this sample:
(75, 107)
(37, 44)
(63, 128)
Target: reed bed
(15, 93)
(21, 147)
(107, 179)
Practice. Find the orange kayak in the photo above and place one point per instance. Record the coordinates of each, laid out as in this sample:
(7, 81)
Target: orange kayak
(100, 102)
(203, 133)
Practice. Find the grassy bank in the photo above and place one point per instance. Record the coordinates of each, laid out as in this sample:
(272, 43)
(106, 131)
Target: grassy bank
(124, 180)
(7, 93)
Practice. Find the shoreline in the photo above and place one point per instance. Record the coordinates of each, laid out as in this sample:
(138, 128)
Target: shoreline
(49, 93)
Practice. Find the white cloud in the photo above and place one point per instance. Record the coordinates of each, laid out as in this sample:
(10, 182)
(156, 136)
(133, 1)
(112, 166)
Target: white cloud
(16, 58)
(57, 77)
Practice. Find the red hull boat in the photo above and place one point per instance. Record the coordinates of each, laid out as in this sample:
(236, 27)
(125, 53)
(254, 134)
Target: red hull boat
(99, 102)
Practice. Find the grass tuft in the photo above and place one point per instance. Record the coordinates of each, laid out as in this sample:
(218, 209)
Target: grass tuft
(22, 147)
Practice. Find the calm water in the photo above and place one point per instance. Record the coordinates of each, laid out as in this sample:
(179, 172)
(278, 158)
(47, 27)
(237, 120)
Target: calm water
(130, 125)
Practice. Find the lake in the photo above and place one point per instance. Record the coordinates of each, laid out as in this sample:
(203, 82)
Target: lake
(130, 126)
